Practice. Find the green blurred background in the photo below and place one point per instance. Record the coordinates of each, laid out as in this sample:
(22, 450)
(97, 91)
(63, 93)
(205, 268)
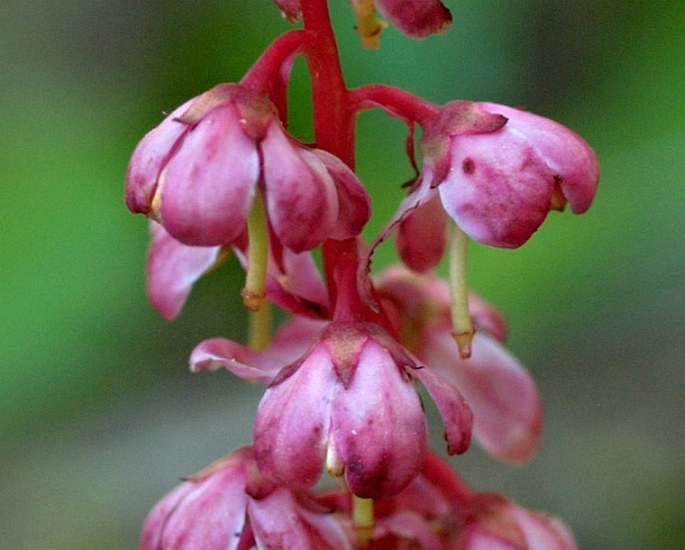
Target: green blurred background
(99, 416)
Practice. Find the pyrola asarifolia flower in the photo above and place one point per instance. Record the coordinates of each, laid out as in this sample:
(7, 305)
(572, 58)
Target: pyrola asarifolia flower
(441, 503)
(230, 505)
(416, 18)
(348, 403)
(198, 172)
(507, 415)
(500, 170)
(438, 511)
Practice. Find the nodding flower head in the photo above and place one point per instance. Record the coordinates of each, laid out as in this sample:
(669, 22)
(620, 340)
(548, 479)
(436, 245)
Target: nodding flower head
(199, 171)
(349, 404)
(500, 170)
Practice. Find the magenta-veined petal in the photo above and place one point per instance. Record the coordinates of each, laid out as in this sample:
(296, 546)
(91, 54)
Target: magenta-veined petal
(150, 158)
(208, 186)
(293, 420)
(499, 189)
(378, 427)
(300, 195)
(354, 203)
(454, 410)
(172, 269)
(568, 155)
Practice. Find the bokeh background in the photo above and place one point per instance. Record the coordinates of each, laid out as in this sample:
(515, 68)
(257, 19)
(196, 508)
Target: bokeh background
(99, 416)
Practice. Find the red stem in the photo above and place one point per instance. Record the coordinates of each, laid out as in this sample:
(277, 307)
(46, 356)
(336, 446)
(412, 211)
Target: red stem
(269, 64)
(333, 115)
(394, 101)
(334, 121)
(335, 109)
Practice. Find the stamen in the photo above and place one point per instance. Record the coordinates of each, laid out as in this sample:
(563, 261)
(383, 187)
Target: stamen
(258, 256)
(362, 519)
(462, 326)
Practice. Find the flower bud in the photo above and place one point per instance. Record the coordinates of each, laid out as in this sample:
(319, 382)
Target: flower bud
(198, 172)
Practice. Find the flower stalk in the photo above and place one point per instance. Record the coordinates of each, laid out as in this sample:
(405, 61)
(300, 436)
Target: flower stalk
(462, 324)
(363, 520)
(258, 257)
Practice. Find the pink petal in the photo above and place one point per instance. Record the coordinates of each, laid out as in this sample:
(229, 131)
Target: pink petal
(298, 288)
(293, 420)
(280, 521)
(499, 189)
(209, 184)
(486, 318)
(410, 526)
(207, 511)
(172, 269)
(454, 410)
(293, 283)
(422, 236)
(219, 353)
(301, 200)
(150, 158)
(568, 155)
(501, 393)
(354, 204)
(378, 426)
(542, 532)
(416, 18)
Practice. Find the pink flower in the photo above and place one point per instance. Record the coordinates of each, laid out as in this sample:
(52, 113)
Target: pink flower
(198, 173)
(507, 415)
(230, 505)
(348, 403)
(500, 170)
(416, 18)
(438, 511)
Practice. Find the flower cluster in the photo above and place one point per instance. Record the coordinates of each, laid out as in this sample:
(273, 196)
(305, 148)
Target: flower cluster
(221, 174)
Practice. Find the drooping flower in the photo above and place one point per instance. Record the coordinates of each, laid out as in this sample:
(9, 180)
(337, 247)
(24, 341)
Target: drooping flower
(230, 505)
(438, 511)
(348, 403)
(199, 171)
(499, 170)
(501, 393)
(467, 520)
